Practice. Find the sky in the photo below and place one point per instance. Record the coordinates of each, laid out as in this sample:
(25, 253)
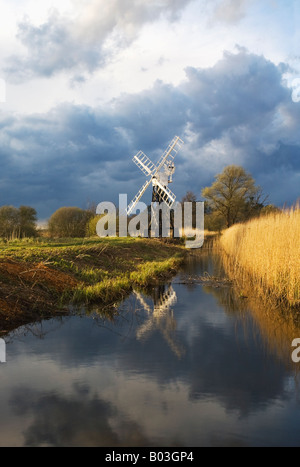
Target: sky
(86, 84)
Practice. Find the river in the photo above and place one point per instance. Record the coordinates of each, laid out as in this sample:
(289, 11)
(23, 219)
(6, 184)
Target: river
(180, 365)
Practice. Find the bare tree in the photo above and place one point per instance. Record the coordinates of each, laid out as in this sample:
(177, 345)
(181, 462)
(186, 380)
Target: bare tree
(234, 195)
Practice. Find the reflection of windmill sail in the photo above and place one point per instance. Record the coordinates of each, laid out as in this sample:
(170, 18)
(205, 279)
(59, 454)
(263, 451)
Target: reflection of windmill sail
(160, 175)
(161, 318)
(161, 308)
(142, 301)
(166, 300)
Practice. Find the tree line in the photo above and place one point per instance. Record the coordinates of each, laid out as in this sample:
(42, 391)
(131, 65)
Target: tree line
(18, 222)
(233, 197)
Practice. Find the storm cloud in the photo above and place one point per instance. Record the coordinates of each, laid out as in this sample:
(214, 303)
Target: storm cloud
(238, 111)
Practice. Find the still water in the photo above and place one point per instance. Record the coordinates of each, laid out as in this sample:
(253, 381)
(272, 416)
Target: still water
(180, 365)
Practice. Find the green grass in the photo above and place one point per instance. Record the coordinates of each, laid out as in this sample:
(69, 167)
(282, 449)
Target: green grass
(59, 252)
(108, 290)
(115, 288)
(105, 269)
(152, 272)
(44, 243)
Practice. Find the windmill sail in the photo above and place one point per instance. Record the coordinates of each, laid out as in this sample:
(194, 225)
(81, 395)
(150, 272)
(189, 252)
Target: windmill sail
(138, 197)
(169, 154)
(144, 163)
(165, 194)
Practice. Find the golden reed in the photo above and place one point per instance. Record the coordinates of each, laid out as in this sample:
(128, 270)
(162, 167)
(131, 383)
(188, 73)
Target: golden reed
(267, 251)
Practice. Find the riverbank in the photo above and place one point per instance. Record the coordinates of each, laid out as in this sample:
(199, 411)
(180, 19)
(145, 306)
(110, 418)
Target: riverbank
(264, 254)
(39, 279)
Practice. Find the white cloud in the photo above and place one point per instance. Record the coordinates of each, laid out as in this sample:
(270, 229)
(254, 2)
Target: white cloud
(296, 90)
(87, 41)
(231, 11)
(91, 51)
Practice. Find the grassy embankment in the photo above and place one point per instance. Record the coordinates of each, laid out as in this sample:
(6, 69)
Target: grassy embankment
(38, 277)
(264, 254)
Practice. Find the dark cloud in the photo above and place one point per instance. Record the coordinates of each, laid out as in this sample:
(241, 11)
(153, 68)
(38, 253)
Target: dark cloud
(239, 111)
(152, 118)
(85, 43)
(48, 158)
(241, 90)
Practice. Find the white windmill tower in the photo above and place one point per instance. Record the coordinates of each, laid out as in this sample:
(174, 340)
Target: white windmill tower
(160, 175)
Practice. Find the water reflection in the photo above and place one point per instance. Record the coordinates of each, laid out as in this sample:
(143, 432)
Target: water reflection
(160, 317)
(177, 366)
(278, 324)
(79, 419)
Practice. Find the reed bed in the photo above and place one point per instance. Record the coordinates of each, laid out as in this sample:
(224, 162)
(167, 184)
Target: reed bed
(266, 251)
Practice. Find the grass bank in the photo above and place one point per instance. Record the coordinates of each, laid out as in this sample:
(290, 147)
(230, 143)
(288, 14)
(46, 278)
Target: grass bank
(37, 278)
(266, 252)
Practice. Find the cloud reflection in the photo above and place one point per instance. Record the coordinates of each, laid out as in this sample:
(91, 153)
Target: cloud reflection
(79, 419)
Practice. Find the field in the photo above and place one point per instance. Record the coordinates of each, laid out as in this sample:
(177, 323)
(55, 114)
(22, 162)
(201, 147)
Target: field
(40, 278)
(265, 252)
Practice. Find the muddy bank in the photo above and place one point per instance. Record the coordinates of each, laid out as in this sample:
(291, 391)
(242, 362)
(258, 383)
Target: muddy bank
(30, 291)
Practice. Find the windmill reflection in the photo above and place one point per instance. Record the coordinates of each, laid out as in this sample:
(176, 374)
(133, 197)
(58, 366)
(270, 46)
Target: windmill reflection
(160, 317)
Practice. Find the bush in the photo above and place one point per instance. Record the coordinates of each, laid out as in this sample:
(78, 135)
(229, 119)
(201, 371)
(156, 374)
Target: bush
(91, 226)
(69, 222)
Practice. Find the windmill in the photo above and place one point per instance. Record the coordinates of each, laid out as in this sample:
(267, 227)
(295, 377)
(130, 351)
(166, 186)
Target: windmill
(160, 175)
